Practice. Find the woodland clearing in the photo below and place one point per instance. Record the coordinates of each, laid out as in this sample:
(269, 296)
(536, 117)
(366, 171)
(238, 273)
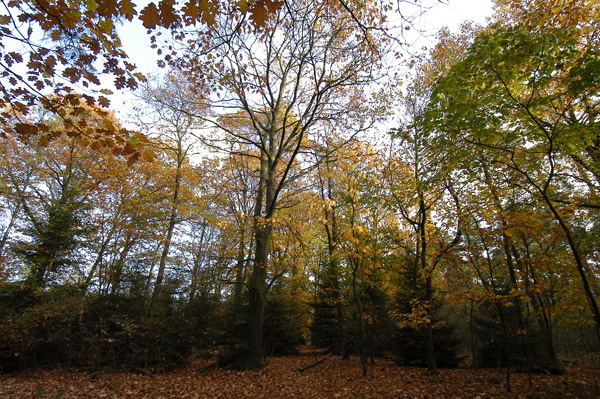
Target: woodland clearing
(334, 378)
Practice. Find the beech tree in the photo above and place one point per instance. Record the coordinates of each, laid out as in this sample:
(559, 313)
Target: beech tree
(166, 116)
(538, 116)
(306, 68)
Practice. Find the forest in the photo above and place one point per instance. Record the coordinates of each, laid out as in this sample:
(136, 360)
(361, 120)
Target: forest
(298, 183)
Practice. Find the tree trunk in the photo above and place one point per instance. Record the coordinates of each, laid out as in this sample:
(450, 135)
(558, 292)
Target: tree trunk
(115, 280)
(429, 343)
(579, 261)
(361, 324)
(257, 291)
(6, 233)
(99, 258)
(257, 287)
(239, 276)
(428, 335)
(172, 222)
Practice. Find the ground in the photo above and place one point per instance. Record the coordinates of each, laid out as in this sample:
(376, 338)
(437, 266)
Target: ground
(334, 378)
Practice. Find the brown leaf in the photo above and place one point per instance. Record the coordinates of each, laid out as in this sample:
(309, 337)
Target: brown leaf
(127, 8)
(149, 16)
(25, 129)
(104, 102)
(259, 14)
(273, 6)
(108, 8)
(72, 74)
(208, 12)
(168, 15)
(190, 12)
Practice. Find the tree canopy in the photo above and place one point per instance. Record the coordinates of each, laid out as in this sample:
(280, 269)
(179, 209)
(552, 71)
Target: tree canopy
(291, 180)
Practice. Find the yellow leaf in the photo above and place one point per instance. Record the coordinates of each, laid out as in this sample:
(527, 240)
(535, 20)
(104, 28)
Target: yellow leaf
(108, 123)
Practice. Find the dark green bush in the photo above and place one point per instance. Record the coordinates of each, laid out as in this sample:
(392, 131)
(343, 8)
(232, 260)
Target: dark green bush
(410, 347)
(283, 328)
(61, 327)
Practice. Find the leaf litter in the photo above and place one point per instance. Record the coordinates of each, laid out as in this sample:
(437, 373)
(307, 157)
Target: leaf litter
(334, 378)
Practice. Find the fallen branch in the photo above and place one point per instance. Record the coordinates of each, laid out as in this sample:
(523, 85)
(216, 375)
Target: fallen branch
(310, 366)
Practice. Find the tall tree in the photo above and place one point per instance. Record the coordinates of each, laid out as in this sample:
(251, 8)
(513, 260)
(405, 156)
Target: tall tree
(170, 120)
(526, 91)
(306, 68)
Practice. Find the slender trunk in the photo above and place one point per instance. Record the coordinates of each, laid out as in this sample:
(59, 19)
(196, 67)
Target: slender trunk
(361, 324)
(429, 343)
(506, 245)
(472, 332)
(118, 267)
(334, 266)
(543, 316)
(428, 333)
(99, 258)
(151, 270)
(340, 319)
(579, 262)
(198, 261)
(172, 222)
(507, 346)
(11, 223)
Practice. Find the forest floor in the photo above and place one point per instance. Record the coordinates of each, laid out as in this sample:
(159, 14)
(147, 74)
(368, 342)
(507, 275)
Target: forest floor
(334, 378)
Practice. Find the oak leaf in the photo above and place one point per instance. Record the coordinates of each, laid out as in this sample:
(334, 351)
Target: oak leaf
(168, 16)
(127, 8)
(108, 8)
(150, 16)
(208, 12)
(104, 102)
(259, 14)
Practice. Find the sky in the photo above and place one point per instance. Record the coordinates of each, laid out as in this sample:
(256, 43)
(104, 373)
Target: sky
(137, 42)
(457, 11)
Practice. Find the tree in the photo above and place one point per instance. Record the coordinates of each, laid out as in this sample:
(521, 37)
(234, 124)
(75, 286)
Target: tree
(287, 80)
(170, 120)
(58, 45)
(526, 91)
(421, 184)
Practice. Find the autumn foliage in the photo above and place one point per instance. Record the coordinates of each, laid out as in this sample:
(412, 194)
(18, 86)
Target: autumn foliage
(278, 216)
